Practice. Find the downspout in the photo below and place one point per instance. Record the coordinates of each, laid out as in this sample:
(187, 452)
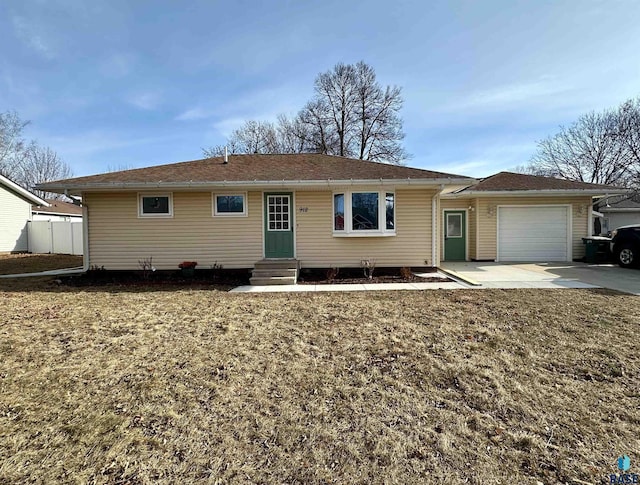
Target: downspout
(434, 227)
(85, 237)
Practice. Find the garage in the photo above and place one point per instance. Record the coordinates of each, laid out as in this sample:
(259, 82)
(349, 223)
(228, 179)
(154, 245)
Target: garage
(534, 233)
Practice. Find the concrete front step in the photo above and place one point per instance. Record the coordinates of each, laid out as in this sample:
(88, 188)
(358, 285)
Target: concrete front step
(273, 280)
(277, 264)
(270, 273)
(275, 272)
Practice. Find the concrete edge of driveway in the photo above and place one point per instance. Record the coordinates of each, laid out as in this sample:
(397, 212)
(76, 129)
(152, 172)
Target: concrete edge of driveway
(457, 276)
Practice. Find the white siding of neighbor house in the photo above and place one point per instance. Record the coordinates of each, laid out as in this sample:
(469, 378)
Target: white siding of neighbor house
(14, 214)
(618, 219)
(118, 238)
(486, 231)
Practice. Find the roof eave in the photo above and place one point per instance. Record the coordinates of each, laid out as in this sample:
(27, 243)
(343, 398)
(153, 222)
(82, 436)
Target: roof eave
(524, 193)
(23, 192)
(119, 186)
(620, 209)
(49, 213)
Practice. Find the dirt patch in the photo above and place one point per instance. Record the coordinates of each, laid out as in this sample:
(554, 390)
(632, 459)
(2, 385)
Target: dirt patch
(148, 385)
(34, 263)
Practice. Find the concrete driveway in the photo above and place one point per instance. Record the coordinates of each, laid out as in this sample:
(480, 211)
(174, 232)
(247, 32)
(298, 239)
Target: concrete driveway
(547, 275)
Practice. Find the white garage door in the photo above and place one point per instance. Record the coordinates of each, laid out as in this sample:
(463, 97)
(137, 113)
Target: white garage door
(533, 233)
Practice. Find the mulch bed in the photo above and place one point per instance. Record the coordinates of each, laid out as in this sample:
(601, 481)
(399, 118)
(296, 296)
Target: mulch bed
(225, 279)
(356, 276)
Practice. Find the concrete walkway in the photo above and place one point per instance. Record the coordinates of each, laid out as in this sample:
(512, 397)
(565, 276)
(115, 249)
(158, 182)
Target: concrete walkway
(495, 275)
(355, 287)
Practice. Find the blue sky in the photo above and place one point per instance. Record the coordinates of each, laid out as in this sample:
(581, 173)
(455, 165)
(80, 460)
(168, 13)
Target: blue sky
(138, 83)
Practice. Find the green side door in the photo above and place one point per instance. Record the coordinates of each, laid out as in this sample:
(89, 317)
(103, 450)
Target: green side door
(278, 225)
(455, 235)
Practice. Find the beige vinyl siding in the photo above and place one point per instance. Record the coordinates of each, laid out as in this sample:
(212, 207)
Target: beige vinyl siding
(487, 223)
(14, 214)
(318, 248)
(118, 238)
(461, 204)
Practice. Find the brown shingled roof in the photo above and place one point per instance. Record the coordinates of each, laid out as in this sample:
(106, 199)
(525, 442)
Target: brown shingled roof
(58, 207)
(255, 167)
(509, 181)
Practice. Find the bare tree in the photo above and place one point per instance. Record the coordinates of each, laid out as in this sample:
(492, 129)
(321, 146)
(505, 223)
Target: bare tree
(336, 97)
(40, 164)
(353, 116)
(11, 142)
(597, 148)
(628, 121)
(27, 163)
(218, 150)
(119, 167)
(252, 137)
(292, 134)
(350, 115)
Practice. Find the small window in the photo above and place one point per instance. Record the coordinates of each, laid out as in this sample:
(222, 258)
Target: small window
(391, 207)
(155, 206)
(364, 210)
(454, 225)
(230, 205)
(338, 212)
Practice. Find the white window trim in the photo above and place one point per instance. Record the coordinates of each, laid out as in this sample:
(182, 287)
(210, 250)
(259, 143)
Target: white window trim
(245, 204)
(142, 215)
(348, 231)
(290, 216)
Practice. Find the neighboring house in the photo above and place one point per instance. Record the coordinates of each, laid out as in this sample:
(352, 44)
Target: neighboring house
(619, 210)
(57, 210)
(324, 211)
(15, 212)
(517, 217)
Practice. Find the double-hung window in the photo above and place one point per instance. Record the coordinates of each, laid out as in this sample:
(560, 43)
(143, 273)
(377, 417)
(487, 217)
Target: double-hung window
(155, 205)
(364, 213)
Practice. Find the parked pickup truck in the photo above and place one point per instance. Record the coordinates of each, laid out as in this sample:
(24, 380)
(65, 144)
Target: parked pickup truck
(625, 245)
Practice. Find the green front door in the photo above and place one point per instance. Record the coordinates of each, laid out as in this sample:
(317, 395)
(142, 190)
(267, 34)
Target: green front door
(278, 225)
(455, 235)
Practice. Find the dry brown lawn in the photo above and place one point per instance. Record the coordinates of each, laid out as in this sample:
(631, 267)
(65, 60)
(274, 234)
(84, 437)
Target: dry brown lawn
(201, 386)
(33, 263)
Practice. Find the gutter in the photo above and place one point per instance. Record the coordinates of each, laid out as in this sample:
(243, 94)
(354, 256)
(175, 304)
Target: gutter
(531, 193)
(85, 238)
(253, 183)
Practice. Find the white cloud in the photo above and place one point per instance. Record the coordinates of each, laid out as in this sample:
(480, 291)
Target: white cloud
(197, 113)
(117, 65)
(226, 126)
(145, 101)
(508, 96)
(31, 35)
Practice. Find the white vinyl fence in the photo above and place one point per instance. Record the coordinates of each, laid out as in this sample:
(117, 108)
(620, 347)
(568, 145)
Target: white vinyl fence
(58, 237)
